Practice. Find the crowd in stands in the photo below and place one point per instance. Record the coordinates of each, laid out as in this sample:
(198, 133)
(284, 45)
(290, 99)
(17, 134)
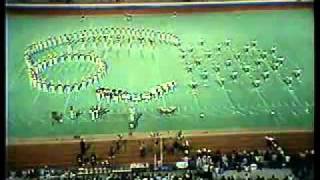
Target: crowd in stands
(212, 164)
(203, 164)
(55, 173)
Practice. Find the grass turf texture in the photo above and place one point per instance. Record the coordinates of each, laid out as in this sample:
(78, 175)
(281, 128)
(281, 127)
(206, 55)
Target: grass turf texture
(291, 31)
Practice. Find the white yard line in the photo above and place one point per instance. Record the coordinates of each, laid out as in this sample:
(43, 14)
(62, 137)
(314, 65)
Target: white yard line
(145, 135)
(269, 108)
(295, 97)
(234, 105)
(66, 104)
(36, 97)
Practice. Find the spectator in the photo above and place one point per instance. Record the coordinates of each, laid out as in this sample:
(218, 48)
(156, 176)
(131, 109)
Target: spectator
(142, 149)
(273, 177)
(83, 148)
(93, 159)
(111, 153)
(247, 176)
(79, 159)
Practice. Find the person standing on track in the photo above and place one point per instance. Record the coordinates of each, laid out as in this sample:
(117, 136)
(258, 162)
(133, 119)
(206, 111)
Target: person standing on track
(83, 147)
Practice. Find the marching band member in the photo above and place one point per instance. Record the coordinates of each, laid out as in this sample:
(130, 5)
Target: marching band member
(69, 48)
(194, 84)
(108, 95)
(53, 41)
(221, 81)
(159, 91)
(116, 96)
(125, 96)
(208, 53)
(146, 97)
(216, 68)
(28, 61)
(44, 86)
(95, 79)
(254, 43)
(258, 61)
(59, 40)
(113, 95)
(96, 111)
(234, 75)
(219, 48)
(288, 80)
(297, 73)
(90, 82)
(256, 83)
(73, 87)
(197, 61)
(39, 84)
(238, 56)
(201, 42)
(78, 86)
(204, 74)
(153, 93)
(38, 66)
(275, 66)
(51, 62)
(273, 49)
(82, 84)
(52, 87)
(99, 94)
(280, 60)
(55, 60)
(173, 85)
(34, 81)
(189, 68)
(246, 68)
(132, 112)
(264, 54)
(92, 113)
(67, 88)
(136, 97)
(72, 112)
(265, 75)
(228, 42)
(164, 88)
(59, 87)
(228, 62)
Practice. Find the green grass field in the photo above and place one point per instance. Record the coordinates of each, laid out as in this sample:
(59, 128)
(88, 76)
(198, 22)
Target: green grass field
(237, 107)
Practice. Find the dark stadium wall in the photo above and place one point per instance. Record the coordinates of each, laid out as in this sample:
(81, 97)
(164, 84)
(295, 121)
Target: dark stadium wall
(150, 8)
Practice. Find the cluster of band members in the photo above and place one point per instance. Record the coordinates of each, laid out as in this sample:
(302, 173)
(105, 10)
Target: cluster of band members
(145, 36)
(110, 35)
(97, 112)
(119, 95)
(58, 87)
(120, 36)
(249, 59)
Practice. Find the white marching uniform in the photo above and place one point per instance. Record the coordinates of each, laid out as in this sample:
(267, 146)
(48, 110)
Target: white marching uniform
(92, 115)
(96, 113)
(39, 85)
